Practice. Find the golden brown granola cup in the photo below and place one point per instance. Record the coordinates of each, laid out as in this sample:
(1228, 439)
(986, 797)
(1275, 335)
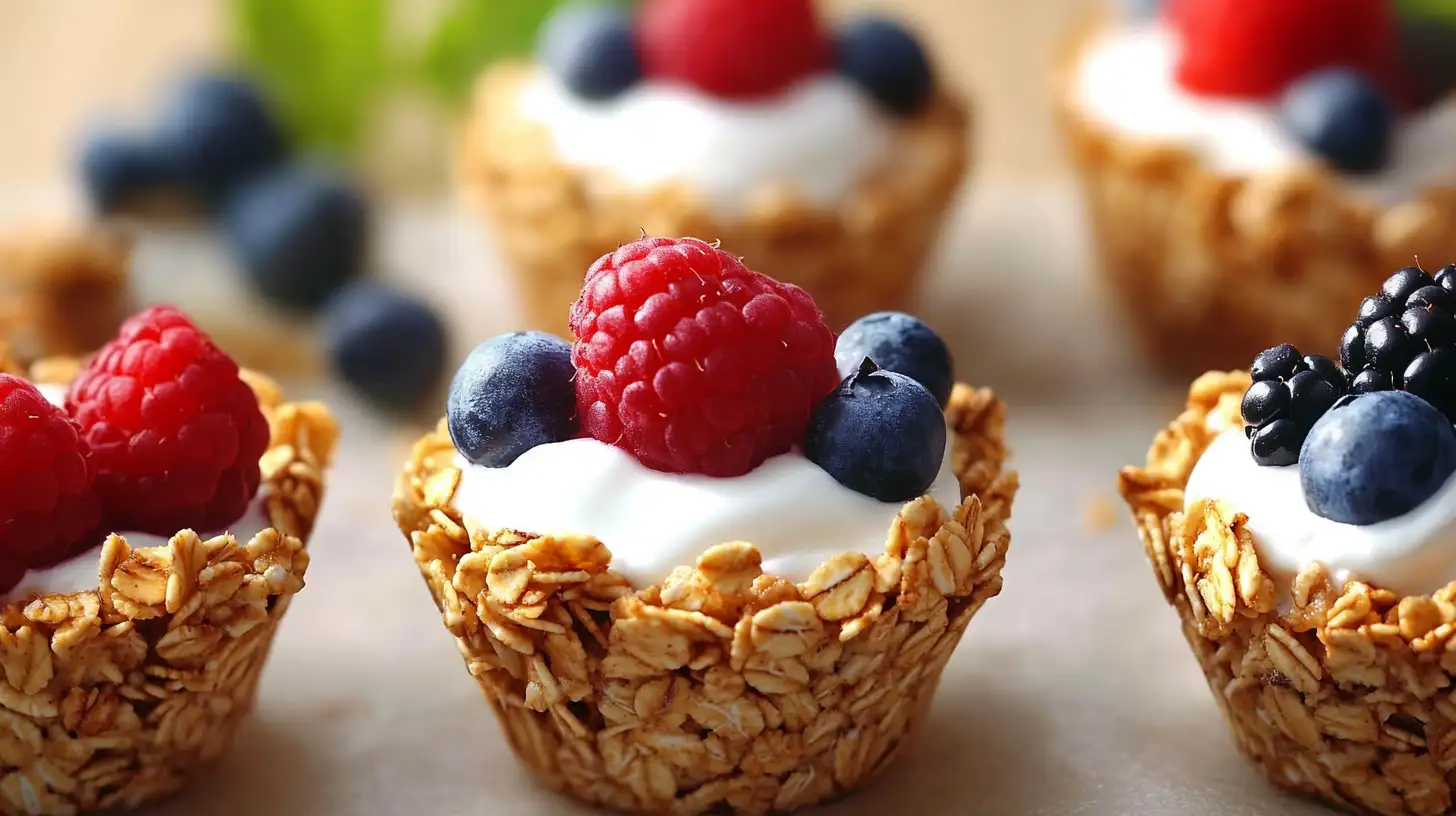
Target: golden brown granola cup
(113, 697)
(63, 287)
(1346, 694)
(722, 687)
(552, 221)
(1210, 269)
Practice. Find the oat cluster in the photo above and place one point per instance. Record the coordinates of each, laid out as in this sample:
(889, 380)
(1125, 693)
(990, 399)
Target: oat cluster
(62, 288)
(723, 686)
(1342, 692)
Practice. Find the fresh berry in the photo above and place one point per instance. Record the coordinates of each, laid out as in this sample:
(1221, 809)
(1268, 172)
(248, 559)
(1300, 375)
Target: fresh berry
(220, 130)
(118, 171)
(386, 344)
(174, 434)
(1289, 394)
(732, 49)
(1376, 457)
(1431, 376)
(512, 393)
(47, 506)
(1446, 277)
(887, 61)
(693, 362)
(1342, 117)
(1388, 347)
(1371, 380)
(1398, 337)
(1235, 48)
(879, 433)
(592, 49)
(900, 343)
(300, 233)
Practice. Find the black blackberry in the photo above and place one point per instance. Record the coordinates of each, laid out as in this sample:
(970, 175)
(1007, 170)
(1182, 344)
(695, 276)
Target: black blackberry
(1446, 277)
(1397, 334)
(1289, 393)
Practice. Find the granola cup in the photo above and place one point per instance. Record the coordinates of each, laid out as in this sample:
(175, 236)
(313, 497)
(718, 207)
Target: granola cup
(1206, 265)
(113, 697)
(1342, 693)
(722, 687)
(552, 221)
(63, 287)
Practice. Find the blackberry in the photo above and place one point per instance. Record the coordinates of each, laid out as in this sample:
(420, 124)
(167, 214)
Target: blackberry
(1446, 277)
(1404, 338)
(1290, 392)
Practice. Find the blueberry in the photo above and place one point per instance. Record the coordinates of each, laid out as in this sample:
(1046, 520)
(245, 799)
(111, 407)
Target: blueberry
(301, 233)
(900, 343)
(1376, 458)
(1399, 287)
(1341, 116)
(220, 130)
(887, 61)
(1141, 9)
(1432, 377)
(118, 170)
(387, 345)
(1276, 363)
(879, 433)
(592, 49)
(513, 392)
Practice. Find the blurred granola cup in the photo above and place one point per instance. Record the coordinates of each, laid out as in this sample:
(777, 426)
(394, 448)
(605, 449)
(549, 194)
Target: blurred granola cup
(722, 687)
(552, 220)
(63, 287)
(115, 696)
(1341, 693)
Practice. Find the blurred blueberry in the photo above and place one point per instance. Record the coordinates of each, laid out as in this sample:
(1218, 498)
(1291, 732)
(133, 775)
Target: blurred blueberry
(387, 345)
(886, 59)
(118, 169)
(220, 130)
(900, 343)
(300, 233)
(513, 392)
(1342, 116)
(1140, 9)
(592, 49)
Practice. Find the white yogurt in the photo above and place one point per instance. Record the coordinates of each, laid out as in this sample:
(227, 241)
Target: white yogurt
(818, 138)
(1411, 554)
(1126, 81)
(795, 513)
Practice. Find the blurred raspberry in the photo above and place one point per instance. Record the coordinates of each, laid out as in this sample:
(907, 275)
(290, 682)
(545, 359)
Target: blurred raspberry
(732, 48)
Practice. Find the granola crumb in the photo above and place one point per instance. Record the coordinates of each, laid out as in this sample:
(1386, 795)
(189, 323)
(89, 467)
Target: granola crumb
(1100, 514)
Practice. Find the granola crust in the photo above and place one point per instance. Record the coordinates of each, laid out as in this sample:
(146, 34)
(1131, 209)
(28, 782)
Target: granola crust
(1347, 696)
(113, 697)
(63, 287)
(553, 221)
(1205, 264)
(722, 687)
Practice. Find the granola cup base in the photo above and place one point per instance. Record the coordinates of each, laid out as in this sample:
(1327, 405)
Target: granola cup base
(1343, 693)
(553, 221)
(1205, 265)
(63, 287)
(113, 697)
(722, 687)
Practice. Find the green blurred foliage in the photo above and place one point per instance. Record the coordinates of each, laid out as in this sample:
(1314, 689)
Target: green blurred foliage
(1443, 10)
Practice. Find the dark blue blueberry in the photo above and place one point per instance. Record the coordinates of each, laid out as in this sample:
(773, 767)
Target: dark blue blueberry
(1141, 9)
(513, 393)
(1375, 458)
(879, 433)
(119, 170)
(1343, 117)
(591, 48)
(220, 130)
(900, 343)
(387, 345)
(300, 233)
(887, 60)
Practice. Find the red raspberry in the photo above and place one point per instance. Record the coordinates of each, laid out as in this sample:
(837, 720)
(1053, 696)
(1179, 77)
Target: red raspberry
(732, 48)
(47, 507)
(692, 361)
(175, 435)
(1239, 48)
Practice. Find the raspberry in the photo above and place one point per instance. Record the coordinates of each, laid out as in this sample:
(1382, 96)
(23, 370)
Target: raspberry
(175, 435)
(732, 48)
(693, 362)
(47, 507)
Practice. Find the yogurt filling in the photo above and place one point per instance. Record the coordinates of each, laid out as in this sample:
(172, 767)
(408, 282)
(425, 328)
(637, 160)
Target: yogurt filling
(1126, 81)
(797, 515)
(1413, 554)
(818, 138)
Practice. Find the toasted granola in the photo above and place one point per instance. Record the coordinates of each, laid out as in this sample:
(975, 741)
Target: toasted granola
(63, 287)
(722, 687)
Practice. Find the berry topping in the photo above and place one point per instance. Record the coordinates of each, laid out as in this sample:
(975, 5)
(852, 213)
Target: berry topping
(732, 48)
(1342, 117)
(1376, 457)
(592, 49)
(1400, 338)
(886, 59)
(1237, 48)
(219, 130)
(47, 507)
(174, 434)
(1404, 283)
(693, 362)
(900, 343)
(879, 433)
(1289, 394)
(388, 345)
(119, 171)
(1446, 277)
(513, 392)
